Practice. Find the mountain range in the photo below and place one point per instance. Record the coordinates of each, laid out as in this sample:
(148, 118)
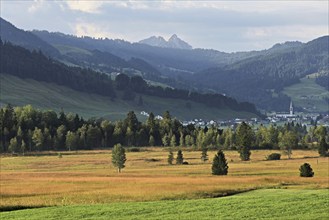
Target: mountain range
(260, 77)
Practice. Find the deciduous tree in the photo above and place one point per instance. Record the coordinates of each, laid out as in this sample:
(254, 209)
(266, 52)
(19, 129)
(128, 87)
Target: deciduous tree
(118, 157)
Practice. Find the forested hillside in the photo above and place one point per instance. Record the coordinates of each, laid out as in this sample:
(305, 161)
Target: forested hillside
(34, 65)
(25, 39)
(258, 77)
(261, 79)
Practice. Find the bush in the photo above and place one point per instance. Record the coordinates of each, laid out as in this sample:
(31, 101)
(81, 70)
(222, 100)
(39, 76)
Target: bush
(274, 156)
(185, 163)
(133, 149)
(306, 170)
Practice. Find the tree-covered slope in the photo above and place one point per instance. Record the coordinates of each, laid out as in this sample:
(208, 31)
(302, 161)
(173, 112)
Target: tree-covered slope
(22, 63)
(261, 79)
(9, 32)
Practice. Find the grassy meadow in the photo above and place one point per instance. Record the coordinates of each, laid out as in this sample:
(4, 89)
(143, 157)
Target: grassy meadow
(88, 177)
(260, 204)
(308, 94)
(47, 96)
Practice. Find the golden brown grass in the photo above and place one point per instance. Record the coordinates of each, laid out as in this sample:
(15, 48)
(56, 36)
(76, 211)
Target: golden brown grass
(88, 177)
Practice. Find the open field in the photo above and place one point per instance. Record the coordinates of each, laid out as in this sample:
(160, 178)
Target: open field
(307, 94)
(17, 91)
(88, 177)
(259, 204)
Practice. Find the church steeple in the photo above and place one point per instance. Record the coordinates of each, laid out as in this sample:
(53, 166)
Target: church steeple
(291, 109)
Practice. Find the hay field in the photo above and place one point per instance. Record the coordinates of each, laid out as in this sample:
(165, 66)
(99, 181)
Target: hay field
(88, 177)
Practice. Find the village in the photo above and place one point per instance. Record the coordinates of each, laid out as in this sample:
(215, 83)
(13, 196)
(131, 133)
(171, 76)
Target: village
(275, 118)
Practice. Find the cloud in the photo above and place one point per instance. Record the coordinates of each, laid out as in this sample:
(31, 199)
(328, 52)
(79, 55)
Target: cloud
(36, 6)
(94, 30)
(85, 6)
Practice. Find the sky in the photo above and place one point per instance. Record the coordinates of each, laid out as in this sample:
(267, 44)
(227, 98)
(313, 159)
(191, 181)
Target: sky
(228, 26)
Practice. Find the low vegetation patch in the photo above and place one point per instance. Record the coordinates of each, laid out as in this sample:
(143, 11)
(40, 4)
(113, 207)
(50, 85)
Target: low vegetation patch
(259, 204)
(274, 156)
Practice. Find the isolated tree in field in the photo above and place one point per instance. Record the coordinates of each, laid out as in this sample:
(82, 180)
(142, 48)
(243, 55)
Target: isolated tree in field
(244, 139)
(179, 158)
(204, 155)
(219, 164)
(306, 170)
(118, 157)
(288, 140)
(170, 157)
(323, 148)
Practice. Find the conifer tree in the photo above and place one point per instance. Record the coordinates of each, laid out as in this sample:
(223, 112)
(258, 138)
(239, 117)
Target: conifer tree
(179, 158)
(219, 164)
(323, 148)
(204, 155)
(306, 170)
(170, 157)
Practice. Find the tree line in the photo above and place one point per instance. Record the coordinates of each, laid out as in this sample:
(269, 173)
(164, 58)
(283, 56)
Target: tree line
(29, 129)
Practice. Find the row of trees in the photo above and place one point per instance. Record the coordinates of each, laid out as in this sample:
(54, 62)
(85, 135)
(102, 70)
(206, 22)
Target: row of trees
(28, 129)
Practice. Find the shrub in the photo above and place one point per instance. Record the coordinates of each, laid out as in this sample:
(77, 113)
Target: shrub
(274, 156)
(133, 149)
(185, 163)
(306, 170)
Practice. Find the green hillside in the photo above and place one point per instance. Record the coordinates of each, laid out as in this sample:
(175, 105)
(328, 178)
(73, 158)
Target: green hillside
(43, 95)
(259, 204)
(307, 94)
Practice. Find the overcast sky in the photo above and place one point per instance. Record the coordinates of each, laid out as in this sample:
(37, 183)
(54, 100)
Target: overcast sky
(223, 25)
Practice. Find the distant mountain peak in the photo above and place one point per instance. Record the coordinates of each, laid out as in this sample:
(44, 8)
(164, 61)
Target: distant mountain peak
(173, 42)
(174, 36)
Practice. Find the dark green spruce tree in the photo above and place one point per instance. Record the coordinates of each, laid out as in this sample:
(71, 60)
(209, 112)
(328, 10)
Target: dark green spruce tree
(170, 157)
(306, 170)
(219, 164)
(179, 158)
(244, 139)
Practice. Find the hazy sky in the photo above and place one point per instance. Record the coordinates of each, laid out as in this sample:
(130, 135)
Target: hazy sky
(222, 25)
